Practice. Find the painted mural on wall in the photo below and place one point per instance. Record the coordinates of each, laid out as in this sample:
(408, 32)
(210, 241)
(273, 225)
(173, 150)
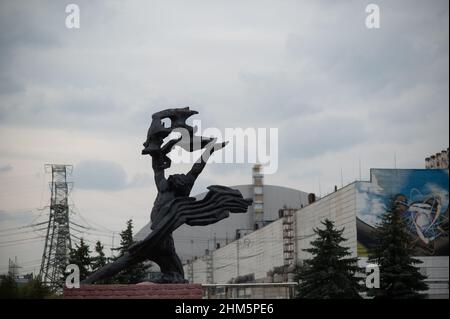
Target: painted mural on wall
(424, 194)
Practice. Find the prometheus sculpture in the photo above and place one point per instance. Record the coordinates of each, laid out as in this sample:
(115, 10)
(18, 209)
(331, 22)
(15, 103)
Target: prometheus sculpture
(173, 207)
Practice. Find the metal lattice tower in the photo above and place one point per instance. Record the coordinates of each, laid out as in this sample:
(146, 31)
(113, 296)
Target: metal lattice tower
(190, 271)
(209, 267)
(289, 240)
(57, 243)
(258, 196)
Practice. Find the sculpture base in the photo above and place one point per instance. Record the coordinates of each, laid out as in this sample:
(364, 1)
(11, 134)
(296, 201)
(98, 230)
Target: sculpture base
(139, 291)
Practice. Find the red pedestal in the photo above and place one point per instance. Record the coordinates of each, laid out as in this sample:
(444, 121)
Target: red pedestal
(139, 291)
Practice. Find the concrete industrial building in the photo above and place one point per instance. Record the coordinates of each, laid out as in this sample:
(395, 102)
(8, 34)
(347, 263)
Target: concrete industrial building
(269, 253)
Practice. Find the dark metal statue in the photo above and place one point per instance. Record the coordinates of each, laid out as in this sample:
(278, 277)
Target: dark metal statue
(173, 207)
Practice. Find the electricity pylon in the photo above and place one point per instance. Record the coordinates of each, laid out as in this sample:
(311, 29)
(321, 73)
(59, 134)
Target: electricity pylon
(57, 242)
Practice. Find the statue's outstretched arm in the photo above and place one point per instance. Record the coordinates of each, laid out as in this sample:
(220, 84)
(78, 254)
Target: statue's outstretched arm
(198, 167)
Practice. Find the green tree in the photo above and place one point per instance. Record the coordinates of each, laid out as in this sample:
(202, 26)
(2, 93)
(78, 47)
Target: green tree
(8, 287)
(329, 274)
(399, 277)
(80, 257)
(137, 272)
(34, 289)
(99, 260)
(126, 238)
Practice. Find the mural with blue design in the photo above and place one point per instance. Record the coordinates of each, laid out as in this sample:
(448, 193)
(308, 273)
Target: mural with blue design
(423, 194)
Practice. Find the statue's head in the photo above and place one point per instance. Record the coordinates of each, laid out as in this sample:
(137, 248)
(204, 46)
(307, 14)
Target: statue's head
(156, 145)
(158, 131)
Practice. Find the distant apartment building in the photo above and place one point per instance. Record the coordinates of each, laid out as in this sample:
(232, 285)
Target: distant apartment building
(438, 160)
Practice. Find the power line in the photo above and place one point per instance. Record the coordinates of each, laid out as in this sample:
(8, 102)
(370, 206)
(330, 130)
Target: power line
(21, 232)
(73, 223)
(85, 220)
(13, 228)
(26, 242)
(19, 240)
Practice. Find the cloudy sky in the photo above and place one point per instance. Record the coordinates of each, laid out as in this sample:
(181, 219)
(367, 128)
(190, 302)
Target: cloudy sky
(339, 93)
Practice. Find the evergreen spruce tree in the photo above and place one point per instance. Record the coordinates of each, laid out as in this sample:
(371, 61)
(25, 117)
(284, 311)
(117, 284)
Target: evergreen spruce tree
(8, 287)
(136, 273)
(99, 260)
(34, 289)
(329, 274)
(399, 277)
(80, 257)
